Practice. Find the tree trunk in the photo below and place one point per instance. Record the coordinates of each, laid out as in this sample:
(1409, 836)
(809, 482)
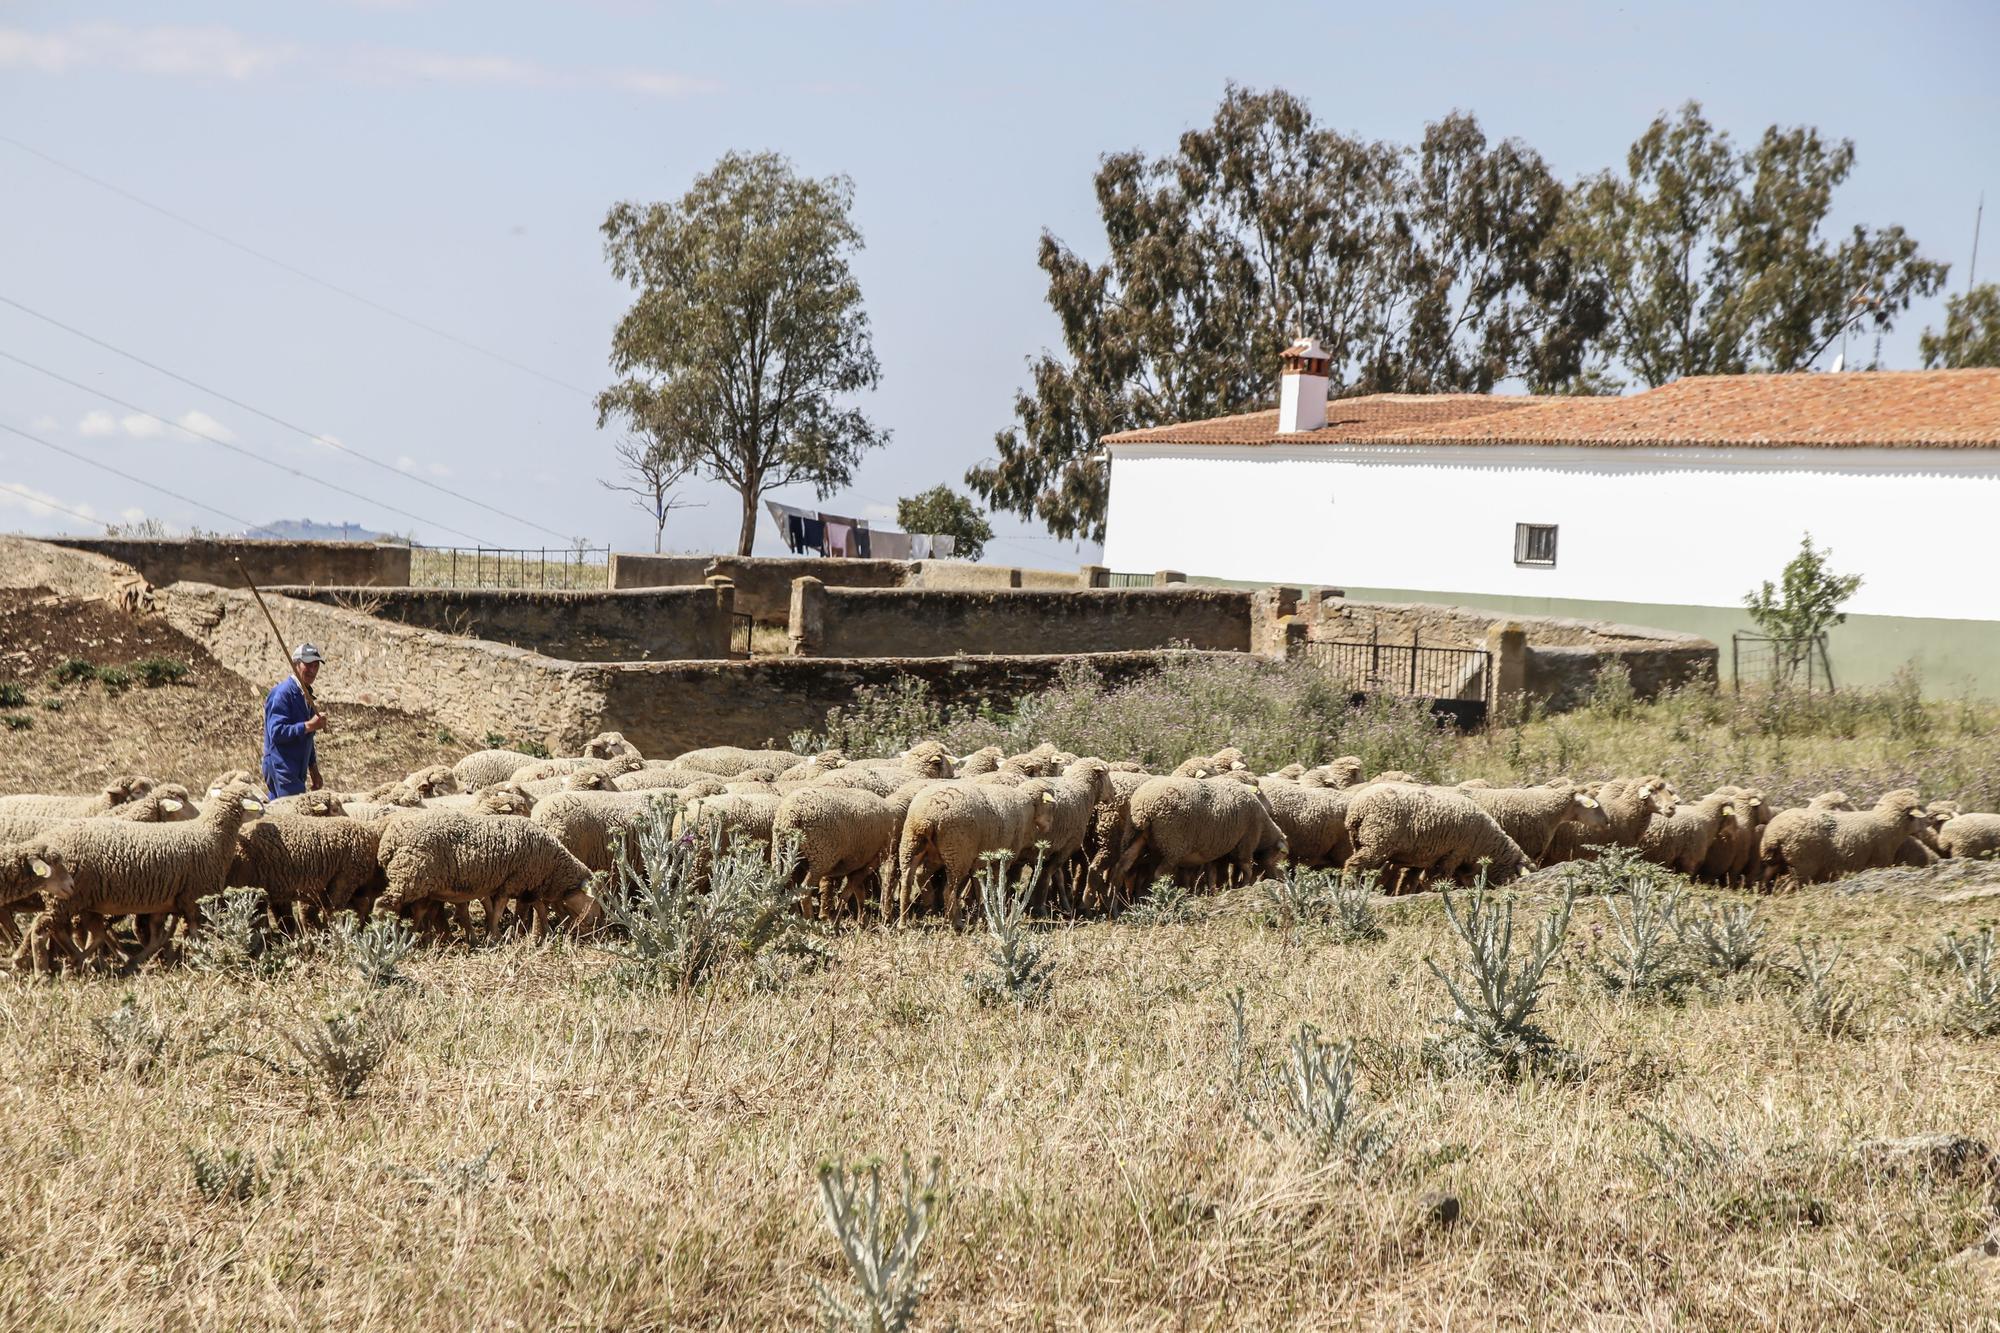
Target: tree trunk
(747, 538)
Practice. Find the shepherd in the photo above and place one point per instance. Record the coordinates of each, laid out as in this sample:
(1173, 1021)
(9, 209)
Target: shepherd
(291, 763)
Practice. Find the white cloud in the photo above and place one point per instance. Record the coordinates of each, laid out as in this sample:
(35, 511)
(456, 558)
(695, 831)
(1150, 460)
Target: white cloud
(220, 53)
(438, 470)
(97, 423)
(201, 423)
(140, 427)
(38, 504)
(134, 514)
(45, 424)
(405, 463)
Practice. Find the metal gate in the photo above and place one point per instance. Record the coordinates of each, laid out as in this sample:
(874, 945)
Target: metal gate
(1456, 682)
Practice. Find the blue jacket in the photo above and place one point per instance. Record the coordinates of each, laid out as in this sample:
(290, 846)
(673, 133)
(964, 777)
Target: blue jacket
(288, 746)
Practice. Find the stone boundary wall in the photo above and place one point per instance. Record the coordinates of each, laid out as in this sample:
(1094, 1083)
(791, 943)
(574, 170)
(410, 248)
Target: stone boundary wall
(26, 562)
(165, 560)
(764, 583)
(470, 685)
(926, 622)
(650, 624)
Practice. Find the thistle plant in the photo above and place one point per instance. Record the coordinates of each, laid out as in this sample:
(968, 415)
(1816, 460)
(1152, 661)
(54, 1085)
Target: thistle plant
(1824, 1004)
(1975, 1004)
(1644, 958)
(375, 951)
(1016, 970)
(338, 1050)
(1317, 1105)
(881, 1250)
(235, 936)
(1168, 902)
(1311, 897)
(130, 1039)
(686, 907)
(231, 1174)
(1496, 991)
(1725, 943)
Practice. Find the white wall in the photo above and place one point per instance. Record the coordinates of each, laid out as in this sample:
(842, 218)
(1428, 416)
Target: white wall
(1680, 527)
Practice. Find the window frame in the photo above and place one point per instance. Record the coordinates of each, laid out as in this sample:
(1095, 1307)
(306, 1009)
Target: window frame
(1525, 544)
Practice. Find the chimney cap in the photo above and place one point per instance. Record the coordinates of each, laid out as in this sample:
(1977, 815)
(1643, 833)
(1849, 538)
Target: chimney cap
(1305, 355)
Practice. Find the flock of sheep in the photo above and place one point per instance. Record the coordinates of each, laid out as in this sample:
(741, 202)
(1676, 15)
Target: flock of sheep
(531, 840)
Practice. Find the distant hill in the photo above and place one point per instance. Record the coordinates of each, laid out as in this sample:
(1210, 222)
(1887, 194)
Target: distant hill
(307, 530)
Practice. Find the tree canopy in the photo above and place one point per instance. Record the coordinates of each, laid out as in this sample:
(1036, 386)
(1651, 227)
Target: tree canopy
(748, 331)
(1971, 334)
(943, 510)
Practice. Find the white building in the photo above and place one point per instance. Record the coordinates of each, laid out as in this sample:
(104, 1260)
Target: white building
(1660, 508)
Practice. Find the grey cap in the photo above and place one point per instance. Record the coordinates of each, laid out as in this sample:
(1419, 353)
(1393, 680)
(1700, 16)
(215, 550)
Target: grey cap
(306, 652)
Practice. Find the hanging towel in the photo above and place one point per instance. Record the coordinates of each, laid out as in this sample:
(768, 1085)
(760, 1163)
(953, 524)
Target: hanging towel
(812, 535)
(839, 536)
(920, 546)
(890, 545)
(782, 514)
(943, 544)
(863, 548)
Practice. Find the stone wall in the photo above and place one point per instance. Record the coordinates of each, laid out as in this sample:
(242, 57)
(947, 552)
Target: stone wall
(470, 685)
(764, 583)
(652, 624)
(924, 622)
(167, 560)
(1561, 677)
(27, 563)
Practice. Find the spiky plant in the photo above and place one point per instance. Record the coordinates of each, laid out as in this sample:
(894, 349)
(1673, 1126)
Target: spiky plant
(375, 951)
(1823, 1003)
(1725, 943)
(1315, 897)
(881, 1250)
(130, 1039)
(1975, 1005)
(227, 1174)
(236, 937)
(339, 1049)
(1644, 958)
(1496, 990)
(1016, 971)
(1317, 1105)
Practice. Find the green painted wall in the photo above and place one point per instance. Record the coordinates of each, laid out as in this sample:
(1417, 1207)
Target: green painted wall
(1955, 656)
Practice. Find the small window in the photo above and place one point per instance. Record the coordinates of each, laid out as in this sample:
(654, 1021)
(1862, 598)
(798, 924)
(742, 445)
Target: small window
(1534, 543)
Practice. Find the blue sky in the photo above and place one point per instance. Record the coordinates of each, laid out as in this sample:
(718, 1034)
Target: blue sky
(452, 161)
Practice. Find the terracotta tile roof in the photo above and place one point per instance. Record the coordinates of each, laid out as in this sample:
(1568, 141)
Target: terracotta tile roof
(1346, 419)
(1958, 409)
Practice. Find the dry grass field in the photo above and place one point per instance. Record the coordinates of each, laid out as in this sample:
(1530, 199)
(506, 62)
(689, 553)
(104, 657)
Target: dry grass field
(546, 1144)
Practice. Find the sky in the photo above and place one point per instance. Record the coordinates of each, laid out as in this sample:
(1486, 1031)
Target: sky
(394, 282)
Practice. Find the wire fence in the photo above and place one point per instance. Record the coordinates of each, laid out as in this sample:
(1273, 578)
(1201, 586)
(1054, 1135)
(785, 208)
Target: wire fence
(546, 568)
(1800, 663)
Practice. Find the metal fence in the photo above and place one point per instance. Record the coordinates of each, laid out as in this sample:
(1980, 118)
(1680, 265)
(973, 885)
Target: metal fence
(1117, 580)
(541, 568)
(1457, 682)
(1780, 663)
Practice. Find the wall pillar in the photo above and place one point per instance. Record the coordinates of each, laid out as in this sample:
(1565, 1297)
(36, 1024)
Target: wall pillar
(1093, 576)
(807, 629)
(1161, 578)
(722, 627)
(1508, 643)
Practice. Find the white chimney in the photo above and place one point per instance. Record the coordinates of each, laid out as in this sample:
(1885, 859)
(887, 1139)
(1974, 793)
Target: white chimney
(1302, 387)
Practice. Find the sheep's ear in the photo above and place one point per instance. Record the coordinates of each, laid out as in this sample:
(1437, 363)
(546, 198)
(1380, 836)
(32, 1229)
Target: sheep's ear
(1049, 797)
(1756, 801)
(1201, 772)
(1645, 792)
(214, 792)
(40, 867)
(1587, 802)
(170, 803)
(565, 782)
(1237, 764)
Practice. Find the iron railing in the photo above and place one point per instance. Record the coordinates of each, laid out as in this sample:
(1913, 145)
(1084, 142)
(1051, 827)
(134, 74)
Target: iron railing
(557, 567)
(1117, 580)
(1457, 682)
(1780, 663)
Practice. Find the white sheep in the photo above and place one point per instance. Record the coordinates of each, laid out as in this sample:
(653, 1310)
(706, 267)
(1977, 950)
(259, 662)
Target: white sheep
(450, 857)
(1531, 815)
(1436, 832)
(315, 866)
(1192, 828)
(1814, 845)
(78, 807)
(836, 838)
(950, 825)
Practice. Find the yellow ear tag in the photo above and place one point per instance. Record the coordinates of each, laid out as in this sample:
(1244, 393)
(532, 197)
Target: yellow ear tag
(1201, 772)
(253, 806)
(1049, 797)
(40, 867)
(1588, 803)
(1729, 812)
(170, 804)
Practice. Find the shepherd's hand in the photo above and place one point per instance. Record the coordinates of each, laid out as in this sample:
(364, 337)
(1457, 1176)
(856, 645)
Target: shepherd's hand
(317, 722)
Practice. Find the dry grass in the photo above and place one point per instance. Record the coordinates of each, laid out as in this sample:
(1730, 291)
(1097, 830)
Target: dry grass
(653, 1156)
(551, 570)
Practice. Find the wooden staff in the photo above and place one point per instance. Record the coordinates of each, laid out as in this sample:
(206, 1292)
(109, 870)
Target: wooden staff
(271, 620)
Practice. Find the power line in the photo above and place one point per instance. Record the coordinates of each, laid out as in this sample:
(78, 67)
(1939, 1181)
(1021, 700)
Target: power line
(312, 436)
(19, 490)
(248, 526)
(293, 269)
(221, 443)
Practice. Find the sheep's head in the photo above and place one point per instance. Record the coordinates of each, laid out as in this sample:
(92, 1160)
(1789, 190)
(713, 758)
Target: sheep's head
(763, 775)
(1395, 775)
(321, 804)
(928, 759)
(1830, 800)
(172, 803)
(235, 777)
(437, 780)
(593, 778)
(983, 760)
(237, 799)
(705, 787)
(1656, 793)
(1906, 806)
(31, 867)
(505, 799)
(609, 745)
(1586, 810)
(1290, 772)
(1127, 766)
(128, 789)
(580, 908)
(1094, 775)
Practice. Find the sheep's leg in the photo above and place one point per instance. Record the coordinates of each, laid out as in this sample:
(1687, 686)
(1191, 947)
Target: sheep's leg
(160, 930)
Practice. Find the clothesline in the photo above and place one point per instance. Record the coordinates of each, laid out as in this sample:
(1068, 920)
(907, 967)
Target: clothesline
(841, 538)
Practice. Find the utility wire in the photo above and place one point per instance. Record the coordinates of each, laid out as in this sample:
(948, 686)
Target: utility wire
(15, 488)
(247, 525)
(295, 428)
(221, 443)
(293, 269)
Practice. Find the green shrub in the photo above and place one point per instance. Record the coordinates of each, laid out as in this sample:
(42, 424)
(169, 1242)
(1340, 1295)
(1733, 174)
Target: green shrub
(15, 722)
(13, 696)
(73, 671)
(157, 671)
(115, 680)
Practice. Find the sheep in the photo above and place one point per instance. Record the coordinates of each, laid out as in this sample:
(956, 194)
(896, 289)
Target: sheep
(1201, 766)
(726, 761)
(27, 867)
(483, 768)
(588, 823)
(1185, 826)
(1830, 800)
(949, 826)
(321, 804)
(657, 779)
(1970, 836)
(1290, 772)
(1531, 815)
(1814, 845)
(1313, 820)
(434, 780)
(1433, 831)
(833, 837)
(1342, 772)
(452, 857)
(1682, 840)
(1739, 841)
(503, 798)
(546, 775)
(79, 807)
(1921, 848)
(757, 782)
(983, 760)
(926, 759)
(167, 803)
(609, 745)
(1072, 799)
(1111, 829)
(315, 866)
(1629, 804)
(161, 871)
